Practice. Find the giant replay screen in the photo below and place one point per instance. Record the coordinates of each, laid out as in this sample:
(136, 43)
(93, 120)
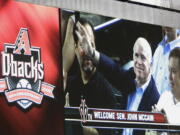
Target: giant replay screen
(31, 101)
(117, 76)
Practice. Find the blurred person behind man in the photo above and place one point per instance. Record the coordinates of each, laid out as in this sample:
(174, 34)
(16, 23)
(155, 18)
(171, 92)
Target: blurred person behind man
(160, 58)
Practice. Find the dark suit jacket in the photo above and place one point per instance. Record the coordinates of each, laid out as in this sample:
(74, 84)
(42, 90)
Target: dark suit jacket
(124, 80)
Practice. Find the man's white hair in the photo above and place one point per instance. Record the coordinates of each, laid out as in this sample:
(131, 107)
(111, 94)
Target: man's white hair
(145, 45)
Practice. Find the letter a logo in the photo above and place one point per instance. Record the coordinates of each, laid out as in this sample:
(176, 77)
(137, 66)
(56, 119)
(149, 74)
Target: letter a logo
(22, 42)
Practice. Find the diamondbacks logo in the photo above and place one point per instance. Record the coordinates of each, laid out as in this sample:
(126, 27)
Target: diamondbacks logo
(23, 71)
(83, 109)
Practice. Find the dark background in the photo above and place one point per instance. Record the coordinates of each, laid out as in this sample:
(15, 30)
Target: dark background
(117, 40)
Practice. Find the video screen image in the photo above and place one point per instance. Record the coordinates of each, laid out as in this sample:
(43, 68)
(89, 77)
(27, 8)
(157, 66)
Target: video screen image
(120, 76)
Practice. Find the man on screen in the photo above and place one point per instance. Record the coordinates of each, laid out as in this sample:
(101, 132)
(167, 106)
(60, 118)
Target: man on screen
(136, 84)
(88, 84)
(169, 101)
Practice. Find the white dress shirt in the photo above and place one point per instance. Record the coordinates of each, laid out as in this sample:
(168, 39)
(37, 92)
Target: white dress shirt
(168, 103)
